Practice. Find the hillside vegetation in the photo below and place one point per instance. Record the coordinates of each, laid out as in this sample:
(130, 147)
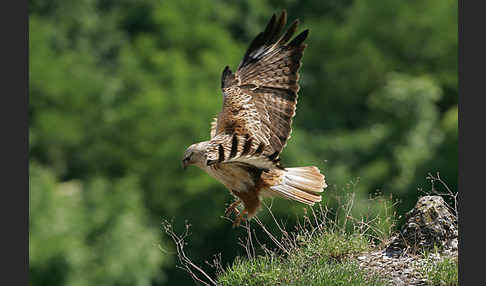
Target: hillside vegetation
(326, 250)
(119, 89)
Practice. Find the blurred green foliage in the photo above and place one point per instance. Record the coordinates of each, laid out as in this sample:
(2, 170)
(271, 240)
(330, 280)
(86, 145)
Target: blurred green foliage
(119, 89)
(89, 233)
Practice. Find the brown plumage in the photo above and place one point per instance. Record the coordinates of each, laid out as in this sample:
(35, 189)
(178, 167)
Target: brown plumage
(254, 125)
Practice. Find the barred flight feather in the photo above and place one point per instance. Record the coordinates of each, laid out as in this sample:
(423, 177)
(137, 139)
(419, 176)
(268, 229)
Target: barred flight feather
(259, 98)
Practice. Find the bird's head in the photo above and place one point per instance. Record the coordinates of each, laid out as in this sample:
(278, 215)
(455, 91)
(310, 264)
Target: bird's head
(195, 155)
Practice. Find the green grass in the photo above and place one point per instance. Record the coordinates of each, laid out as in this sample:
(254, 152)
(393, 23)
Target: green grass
(321, 260)
(444, 272)
(335, 245)
(321, 251)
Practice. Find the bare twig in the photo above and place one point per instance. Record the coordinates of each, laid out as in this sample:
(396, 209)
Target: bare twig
(316, 221)
(248, 244)
(216, 264)
(449, 193)
(271, 236)
(185, 261)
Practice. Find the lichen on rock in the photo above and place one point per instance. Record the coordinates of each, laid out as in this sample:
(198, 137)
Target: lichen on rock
(430, 224)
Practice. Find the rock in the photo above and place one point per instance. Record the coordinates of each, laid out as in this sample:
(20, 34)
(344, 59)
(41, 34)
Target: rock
(430, 223)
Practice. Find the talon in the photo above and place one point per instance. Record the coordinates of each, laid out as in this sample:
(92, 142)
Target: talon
(232, 209)
(240, 218)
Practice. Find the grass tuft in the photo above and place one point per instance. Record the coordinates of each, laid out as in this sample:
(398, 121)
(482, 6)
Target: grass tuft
(336, 245)
(444, 272)
(296, 270)
(319, 251)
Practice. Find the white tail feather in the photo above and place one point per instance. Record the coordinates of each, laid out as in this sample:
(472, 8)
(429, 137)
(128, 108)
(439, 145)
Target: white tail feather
(302, 184)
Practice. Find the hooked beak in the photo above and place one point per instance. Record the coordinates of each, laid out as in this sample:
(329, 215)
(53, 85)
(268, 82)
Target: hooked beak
(184, 165)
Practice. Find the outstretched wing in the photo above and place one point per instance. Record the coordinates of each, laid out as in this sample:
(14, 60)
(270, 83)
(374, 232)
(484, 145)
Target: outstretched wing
(259, 98)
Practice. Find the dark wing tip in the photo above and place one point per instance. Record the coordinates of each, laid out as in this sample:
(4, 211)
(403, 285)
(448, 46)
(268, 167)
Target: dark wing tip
(270, 24)
(290, 31)
(271, 36)
(265, 39)
(224, 75)
(282, 21)
(299, 39)
(227, 77)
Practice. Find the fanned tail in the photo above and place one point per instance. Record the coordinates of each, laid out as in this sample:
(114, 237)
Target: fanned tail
(302, 184)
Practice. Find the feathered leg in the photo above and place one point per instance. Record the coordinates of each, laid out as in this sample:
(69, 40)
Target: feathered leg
(251, 201)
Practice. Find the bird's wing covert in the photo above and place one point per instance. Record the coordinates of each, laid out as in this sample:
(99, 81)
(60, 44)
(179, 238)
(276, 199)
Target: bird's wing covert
(259, 99)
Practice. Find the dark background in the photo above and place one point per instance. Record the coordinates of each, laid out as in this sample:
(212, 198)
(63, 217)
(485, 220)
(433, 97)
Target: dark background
(119, 89)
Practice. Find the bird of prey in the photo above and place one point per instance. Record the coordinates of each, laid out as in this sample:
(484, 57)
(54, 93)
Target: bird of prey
(254, 125)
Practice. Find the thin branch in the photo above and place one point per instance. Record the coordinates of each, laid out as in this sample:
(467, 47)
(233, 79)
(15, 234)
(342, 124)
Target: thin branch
(184, 260)
(270, 235)
(448, 193)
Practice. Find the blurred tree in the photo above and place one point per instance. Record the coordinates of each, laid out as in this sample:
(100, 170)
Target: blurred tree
(362, 58)
(92, 233)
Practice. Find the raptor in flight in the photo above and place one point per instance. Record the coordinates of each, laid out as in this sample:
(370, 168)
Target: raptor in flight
(254, 125)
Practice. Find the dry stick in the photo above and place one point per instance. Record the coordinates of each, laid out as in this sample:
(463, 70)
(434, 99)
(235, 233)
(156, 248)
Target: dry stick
(248, 230)
(324, 216)
(309, 233)
(244, 245)
(186, 263)
(262, 246)
(271, 236)
(349, 207)
(248, 245)
(274, 219)
(326, 213)
(282, 230)
(216, 264)
(449, 193)
(298, 226)
(183, 259)
(368, 227)
(315, 219)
